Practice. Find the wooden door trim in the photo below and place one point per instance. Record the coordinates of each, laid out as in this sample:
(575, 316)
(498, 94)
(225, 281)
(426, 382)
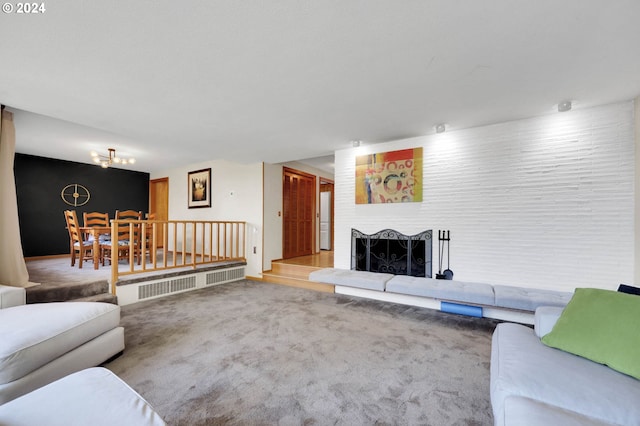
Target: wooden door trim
(297, 172)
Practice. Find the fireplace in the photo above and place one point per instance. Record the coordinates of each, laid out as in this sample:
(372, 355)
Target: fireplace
(392, 252)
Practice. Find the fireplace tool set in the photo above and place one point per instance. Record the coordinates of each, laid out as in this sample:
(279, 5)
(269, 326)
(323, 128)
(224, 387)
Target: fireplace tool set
(444, 238)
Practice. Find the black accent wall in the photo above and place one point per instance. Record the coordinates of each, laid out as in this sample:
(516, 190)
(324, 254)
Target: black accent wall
(39, 182)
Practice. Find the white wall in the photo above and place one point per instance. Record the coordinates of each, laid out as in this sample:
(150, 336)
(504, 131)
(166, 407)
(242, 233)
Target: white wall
(546, 202)
(637, 194)
(272, 214)
(236, 194)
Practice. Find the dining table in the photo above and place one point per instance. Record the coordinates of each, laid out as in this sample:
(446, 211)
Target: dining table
(95, 232)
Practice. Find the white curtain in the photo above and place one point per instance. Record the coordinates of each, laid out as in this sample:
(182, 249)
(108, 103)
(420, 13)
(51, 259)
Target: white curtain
(13, 270)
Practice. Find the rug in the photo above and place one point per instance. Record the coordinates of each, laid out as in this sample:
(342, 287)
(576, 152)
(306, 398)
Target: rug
(250, 353)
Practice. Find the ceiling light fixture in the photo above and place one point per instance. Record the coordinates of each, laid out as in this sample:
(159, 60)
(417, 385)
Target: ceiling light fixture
(356, 143)
(564, 106)
(108, 160)
(440, 128)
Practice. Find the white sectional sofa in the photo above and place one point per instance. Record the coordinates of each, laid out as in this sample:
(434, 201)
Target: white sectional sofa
(94, 396)
(45, 342)
(507, 303)
(533, 384)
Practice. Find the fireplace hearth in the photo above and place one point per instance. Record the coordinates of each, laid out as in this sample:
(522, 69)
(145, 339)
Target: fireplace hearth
(392, 252)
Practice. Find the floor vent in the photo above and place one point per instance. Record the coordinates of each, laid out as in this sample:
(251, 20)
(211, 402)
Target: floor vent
(224, 276)
(165, 287)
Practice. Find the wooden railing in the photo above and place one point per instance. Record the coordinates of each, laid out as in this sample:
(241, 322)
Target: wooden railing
(170, 244)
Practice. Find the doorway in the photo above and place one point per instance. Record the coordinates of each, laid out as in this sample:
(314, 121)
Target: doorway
(298, 206)
(159, 204)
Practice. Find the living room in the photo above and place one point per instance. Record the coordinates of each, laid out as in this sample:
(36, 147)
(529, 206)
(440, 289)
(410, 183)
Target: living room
(532, 197)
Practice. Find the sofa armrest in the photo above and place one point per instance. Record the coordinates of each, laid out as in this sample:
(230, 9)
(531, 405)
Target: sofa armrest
(545, 319)
(12, 296)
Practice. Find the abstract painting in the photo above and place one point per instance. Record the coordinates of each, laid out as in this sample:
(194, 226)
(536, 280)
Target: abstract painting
(389, 177)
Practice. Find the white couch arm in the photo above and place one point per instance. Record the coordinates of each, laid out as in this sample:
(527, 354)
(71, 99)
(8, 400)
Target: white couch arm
(12, 296)
(545, 319)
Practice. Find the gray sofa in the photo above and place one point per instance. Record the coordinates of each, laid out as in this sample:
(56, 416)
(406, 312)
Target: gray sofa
(533, 384)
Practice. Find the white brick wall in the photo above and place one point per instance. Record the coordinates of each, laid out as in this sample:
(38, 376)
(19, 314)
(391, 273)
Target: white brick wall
(546, 202)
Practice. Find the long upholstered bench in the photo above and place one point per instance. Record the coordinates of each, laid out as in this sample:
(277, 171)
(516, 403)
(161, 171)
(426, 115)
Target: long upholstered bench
(476, 299)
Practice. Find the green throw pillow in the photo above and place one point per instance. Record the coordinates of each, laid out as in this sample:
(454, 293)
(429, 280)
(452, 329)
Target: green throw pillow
(603, 326)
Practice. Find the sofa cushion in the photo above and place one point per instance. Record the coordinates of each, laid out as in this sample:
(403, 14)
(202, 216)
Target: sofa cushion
(545, 318)
(33, 335)
(603, 326)
(349, 278)
(528, 299)
(94, 396)
(457, 291)
(521, 365)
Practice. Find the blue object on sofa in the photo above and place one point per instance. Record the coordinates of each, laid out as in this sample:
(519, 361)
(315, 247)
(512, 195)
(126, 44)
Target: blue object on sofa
(457, 308)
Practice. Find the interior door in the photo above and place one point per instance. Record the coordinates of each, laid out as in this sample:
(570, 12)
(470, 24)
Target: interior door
(299, 195)
(159, 204)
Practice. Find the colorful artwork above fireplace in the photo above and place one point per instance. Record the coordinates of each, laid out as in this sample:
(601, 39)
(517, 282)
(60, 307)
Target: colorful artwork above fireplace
(389, 177)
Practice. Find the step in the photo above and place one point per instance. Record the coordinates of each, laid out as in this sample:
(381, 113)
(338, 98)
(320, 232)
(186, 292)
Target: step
(104, 297)
(292, 270)
(272, 278)
(62, 293)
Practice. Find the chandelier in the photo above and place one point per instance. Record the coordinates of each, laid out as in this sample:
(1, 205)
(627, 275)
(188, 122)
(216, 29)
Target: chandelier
(108, 160)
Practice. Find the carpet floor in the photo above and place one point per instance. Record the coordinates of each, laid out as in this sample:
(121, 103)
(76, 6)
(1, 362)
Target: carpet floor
(249, 353)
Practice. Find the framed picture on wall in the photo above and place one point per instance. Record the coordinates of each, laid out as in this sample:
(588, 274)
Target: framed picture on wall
(389, 177)
(199, 192)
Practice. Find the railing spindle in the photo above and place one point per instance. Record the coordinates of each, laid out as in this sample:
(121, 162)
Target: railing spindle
(227, 240)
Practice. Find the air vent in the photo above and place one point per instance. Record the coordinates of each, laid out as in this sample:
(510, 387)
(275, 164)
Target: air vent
(165, 287)
(227, 275)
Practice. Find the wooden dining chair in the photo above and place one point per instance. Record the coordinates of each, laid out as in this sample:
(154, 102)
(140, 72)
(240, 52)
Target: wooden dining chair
(97, 219)
(128, 240)
(151, 235)
(77, 244)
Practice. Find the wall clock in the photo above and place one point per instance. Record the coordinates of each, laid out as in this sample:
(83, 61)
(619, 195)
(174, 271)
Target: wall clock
(75, 195)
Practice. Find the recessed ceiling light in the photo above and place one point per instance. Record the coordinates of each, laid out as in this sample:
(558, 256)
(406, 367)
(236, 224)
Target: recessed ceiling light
(440, 128)
(564, 106)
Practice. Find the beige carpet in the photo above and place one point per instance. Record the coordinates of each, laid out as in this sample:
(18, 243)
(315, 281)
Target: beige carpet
(249, 353)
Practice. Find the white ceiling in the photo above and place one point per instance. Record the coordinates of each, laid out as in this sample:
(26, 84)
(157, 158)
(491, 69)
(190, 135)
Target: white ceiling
(180, 82)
